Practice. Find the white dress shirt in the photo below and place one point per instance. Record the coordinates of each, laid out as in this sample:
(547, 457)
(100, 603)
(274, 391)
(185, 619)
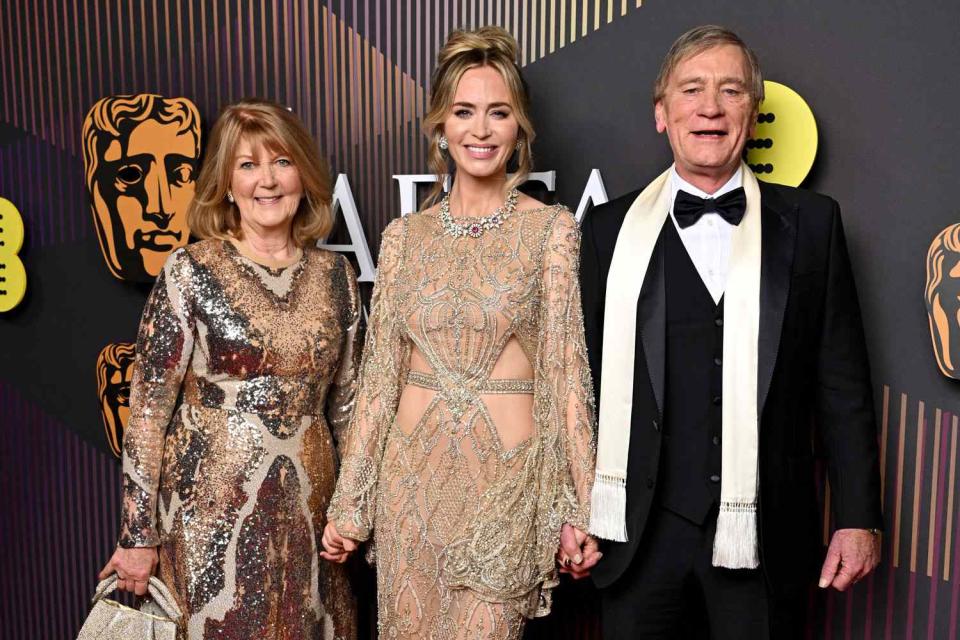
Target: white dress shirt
(707, 240)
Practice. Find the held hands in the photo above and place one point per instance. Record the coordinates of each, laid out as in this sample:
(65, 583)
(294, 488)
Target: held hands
(853, 553)
(336, 547)
(133, 568)
(578, 552)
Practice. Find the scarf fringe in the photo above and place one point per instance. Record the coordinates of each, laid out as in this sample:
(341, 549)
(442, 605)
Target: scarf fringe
(608, 510)
(735, 543)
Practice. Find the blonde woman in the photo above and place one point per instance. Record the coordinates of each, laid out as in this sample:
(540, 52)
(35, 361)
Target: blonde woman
(471, 445)
(243, 380)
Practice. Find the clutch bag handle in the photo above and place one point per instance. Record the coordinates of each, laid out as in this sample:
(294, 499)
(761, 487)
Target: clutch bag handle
(158, 591)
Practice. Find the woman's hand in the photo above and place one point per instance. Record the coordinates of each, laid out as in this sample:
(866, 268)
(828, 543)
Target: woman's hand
(578, 552)
(336, 547)
(133, 568)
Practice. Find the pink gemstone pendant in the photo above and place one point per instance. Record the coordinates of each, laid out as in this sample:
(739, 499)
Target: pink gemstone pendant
(477, 228)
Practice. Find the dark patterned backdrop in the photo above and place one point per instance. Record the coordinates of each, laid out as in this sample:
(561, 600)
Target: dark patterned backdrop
(880, 78)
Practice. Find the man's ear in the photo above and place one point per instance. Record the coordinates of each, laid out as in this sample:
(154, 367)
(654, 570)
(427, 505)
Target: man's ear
(660, 116)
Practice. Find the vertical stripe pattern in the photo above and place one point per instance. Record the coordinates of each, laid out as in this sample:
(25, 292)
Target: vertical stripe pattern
(61, 510)
(357, 73)
(915, 592)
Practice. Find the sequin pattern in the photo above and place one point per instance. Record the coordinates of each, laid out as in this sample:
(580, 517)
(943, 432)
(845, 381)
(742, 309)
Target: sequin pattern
(464, 512)
(244, 380)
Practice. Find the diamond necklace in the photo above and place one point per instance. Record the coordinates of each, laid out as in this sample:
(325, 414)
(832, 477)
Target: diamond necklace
(475, 227)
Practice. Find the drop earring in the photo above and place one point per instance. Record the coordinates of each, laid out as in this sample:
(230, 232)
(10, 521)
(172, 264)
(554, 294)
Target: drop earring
(519, 145)
(230, 197)
(442, 143)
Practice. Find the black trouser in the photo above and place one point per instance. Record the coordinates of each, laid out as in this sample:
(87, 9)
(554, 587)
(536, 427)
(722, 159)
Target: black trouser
(672, 590)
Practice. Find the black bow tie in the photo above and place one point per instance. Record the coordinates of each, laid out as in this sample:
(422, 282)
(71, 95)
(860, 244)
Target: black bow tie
(687, 208)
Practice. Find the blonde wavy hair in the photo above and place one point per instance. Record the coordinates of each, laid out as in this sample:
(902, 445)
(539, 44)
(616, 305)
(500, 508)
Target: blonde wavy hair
(267, 124)
(487, 47)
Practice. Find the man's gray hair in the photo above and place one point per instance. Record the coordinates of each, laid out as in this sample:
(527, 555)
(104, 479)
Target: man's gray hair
(698, 40)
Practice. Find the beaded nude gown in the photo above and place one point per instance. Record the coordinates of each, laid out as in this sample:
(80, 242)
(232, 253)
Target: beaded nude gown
(463, 473)
(243, 382)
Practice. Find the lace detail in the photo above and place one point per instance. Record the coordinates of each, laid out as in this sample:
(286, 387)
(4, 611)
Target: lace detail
(465, 489)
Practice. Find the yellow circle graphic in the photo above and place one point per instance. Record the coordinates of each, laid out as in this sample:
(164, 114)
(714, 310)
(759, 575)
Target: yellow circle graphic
(13, 277)
(785, 141)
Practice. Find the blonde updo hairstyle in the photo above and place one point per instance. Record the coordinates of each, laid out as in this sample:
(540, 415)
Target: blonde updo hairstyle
(272, 126)
(487, 47)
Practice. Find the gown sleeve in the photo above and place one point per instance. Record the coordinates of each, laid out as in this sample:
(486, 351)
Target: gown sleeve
(164, 348)
(353, 506)
(563, 364)
(340, 400)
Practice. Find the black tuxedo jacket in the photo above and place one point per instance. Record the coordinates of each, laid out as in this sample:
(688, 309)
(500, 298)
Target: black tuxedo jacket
(813, 370)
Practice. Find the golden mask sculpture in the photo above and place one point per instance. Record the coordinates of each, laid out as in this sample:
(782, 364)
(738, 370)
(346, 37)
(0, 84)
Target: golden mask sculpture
(943, 299)
(114, 370)
(140, 156)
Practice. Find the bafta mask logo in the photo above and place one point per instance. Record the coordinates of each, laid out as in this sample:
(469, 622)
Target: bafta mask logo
(114, 370)
(140, 157)
(943, 299)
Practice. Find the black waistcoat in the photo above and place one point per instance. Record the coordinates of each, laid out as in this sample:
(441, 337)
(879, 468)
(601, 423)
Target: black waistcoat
(690, 458)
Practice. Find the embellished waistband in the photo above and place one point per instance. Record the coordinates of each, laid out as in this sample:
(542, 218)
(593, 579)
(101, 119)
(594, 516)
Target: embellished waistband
(491, 385)
(264, 395)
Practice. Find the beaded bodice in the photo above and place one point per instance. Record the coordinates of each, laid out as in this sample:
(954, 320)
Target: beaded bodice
(496, 450)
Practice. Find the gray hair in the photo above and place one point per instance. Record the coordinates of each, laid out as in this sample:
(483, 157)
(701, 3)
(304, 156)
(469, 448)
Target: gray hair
(698, 40)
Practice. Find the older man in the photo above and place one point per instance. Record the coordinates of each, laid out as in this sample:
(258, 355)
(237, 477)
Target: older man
(722, 323)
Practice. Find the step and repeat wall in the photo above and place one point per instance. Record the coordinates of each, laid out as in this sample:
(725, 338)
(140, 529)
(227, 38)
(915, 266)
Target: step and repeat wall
(104, 110)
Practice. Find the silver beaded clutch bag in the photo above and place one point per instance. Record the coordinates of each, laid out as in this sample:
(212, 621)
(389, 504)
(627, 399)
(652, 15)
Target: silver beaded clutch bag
(157, 619)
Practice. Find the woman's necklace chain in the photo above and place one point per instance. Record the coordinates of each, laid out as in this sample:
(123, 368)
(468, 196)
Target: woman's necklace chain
(474, 227)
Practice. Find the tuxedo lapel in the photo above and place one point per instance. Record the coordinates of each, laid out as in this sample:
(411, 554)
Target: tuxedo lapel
(652, 321)
(778, 242)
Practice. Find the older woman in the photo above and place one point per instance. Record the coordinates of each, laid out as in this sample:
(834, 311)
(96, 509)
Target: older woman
(243, 381)
(471, 446)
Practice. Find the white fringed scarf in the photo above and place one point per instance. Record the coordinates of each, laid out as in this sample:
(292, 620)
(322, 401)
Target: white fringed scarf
(735, 544)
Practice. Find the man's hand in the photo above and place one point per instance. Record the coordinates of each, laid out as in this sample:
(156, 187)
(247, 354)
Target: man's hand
(578, 552)
(853, 553)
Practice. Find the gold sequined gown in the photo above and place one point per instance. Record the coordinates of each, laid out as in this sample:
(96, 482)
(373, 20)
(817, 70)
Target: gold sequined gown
(244, 380)
(462, 472)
